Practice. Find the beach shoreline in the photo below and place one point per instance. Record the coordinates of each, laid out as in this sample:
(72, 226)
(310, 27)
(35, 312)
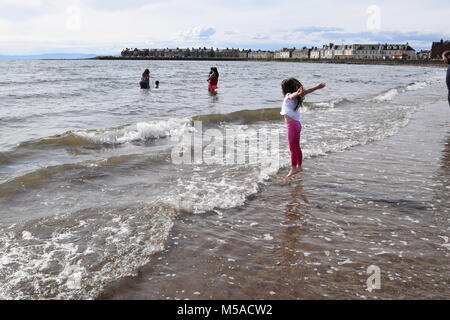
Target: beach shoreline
(314, 236)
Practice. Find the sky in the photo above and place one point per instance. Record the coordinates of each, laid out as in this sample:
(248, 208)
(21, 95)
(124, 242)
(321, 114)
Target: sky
(108, 26)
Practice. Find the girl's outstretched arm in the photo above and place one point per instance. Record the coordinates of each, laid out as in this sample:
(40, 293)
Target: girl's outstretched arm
(298, 93)
(319, 86)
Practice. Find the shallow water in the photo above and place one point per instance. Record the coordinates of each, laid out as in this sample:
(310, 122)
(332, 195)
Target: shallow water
(89, 193)
(315, 236)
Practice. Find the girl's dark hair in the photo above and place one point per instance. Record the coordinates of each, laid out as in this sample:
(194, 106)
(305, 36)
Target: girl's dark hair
(146, 72)
(214, 70)
(291, 85)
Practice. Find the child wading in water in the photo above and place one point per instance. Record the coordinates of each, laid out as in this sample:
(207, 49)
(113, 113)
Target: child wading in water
(294, 94)
(213, 79)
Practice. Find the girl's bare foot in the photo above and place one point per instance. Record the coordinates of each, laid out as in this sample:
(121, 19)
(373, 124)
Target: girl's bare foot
(293, 172)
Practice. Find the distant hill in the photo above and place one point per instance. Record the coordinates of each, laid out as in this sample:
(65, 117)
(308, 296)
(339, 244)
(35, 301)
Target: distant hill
(51, 56)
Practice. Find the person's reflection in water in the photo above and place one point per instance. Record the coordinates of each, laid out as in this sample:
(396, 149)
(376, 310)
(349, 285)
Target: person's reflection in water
(295, 210)
(214, 96)
(443, 177)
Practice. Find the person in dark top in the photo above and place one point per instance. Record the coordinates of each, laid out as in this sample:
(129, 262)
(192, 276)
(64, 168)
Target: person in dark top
(145, 80)
(157, 84)
(446, 56)
(213, 80)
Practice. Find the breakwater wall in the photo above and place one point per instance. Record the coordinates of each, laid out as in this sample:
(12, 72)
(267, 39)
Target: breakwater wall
(425, 63)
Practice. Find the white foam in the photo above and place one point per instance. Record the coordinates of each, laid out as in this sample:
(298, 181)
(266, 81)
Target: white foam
(77, 264)
(392, 93)
(201, 194)
(268, 237)
(416, 86)
(329, 104)
(387, 96)
(141, 131)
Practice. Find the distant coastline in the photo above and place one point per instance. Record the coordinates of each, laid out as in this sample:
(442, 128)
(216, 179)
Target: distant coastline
(425, 63)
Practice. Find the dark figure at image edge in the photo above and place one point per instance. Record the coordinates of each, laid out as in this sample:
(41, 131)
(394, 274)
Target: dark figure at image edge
(446, 56)
(145, 80)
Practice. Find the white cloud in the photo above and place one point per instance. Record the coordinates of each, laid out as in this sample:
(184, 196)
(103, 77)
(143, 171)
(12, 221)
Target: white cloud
(197, 33)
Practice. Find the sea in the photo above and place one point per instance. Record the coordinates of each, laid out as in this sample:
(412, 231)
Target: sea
(95, 202)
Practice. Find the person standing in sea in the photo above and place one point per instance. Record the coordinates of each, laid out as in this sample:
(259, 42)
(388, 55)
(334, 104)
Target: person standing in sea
(213, 79)
(446, 57)
(145, 80)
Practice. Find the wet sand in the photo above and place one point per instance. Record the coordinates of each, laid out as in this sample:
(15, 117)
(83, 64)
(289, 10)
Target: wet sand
(386, 203)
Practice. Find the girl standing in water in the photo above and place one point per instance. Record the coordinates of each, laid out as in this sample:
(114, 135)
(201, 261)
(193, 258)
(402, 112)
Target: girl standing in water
(294, 94)
(213, 79)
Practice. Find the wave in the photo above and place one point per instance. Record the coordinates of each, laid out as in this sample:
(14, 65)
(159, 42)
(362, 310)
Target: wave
(388, 95)
(152, 130)
(141, 131)
(45, 95)
(241, 117)
(68, 139)
(74, 256)
(55, 80)
(268, 114)
(5, 158)
(40, 177)
(144, 131)
(392, 93)
(329, 104)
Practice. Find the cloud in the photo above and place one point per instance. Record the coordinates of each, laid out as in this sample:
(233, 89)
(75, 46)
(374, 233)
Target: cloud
(21, 10)
(317, 29)
(115, 5)
(260, 37)
(197, 33)
(385, 36)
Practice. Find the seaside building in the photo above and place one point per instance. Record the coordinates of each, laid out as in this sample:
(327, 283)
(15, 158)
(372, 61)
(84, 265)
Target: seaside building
(301, 53)
(367, 51)
(315, 53)
(343, 52)
(178, 53)
(424, 55)
(384, 52)
(227, 53)
(438, 48)
(329, 52)
(261, 54)
(244, 53)
(283, 54)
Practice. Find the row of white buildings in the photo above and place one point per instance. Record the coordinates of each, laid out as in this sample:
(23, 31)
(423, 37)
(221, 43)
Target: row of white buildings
(354, 51)
(330, 51)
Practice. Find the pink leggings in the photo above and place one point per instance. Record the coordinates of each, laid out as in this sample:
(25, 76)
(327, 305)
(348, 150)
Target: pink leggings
(293, 133)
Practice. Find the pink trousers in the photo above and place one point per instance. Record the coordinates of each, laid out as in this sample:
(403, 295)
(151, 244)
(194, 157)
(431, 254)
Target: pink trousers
(294, 129)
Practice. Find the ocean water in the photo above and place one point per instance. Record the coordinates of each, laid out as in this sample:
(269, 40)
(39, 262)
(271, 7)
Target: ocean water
(89, 193)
